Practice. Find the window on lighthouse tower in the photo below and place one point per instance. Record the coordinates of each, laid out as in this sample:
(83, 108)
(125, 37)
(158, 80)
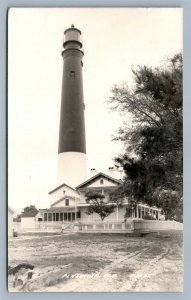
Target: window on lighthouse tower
(72, 74)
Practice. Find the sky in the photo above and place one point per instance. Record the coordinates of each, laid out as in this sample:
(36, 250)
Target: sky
(114, 41)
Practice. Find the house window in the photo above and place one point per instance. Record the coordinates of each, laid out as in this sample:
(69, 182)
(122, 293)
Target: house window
(65, 217)
(101, 181)
(72, 74)
(128, 213)
(73, 216)
(57, 216)
(45, 217)
(135, 213)
(69, 216)
(139, 212)
(66, 202)
(49, 217)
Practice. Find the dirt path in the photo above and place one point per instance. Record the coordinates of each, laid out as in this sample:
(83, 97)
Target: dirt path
(88, 263)
(146, 276)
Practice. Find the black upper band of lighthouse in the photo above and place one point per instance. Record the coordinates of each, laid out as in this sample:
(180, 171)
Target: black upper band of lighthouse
(72, 121)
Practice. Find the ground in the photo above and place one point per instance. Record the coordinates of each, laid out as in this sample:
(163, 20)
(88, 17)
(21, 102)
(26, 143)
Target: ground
(99, 262)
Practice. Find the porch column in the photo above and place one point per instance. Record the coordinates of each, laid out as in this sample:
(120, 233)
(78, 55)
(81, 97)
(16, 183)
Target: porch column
(141, 212)
(137, 212)
(133, 213)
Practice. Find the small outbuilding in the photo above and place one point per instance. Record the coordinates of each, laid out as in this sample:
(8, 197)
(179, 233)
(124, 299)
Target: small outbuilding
(30, 219)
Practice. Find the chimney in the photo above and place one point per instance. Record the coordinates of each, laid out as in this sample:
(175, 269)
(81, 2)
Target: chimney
(93, 172)
(112, 172)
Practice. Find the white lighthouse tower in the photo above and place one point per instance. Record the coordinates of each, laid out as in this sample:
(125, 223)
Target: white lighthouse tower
(72, 144)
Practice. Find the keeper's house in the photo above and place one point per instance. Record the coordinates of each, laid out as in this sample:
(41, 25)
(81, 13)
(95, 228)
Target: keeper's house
(69, 204)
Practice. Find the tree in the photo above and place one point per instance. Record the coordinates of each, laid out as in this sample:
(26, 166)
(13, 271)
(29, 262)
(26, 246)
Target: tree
(118, 195)
(171, 204)
(98, 205)
(30, 208)
(153, 144)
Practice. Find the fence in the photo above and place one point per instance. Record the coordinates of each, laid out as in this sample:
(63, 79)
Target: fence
(112, 226)
(152, 225)
(39, 227)
(128, 226)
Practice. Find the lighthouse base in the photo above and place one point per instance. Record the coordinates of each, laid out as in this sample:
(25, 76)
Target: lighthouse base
(71, 168)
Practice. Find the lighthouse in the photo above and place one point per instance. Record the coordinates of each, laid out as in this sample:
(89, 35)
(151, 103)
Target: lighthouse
(72, 143)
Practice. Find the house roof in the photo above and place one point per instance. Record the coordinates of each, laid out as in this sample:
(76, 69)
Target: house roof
(61, 209)
(29, 214)
(64, 184)
(94, 178)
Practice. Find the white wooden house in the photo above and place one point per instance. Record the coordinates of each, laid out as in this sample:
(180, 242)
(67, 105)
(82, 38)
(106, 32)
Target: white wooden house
(69, 204)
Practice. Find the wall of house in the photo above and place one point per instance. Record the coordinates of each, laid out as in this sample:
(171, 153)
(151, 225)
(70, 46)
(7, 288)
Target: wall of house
(59, 194)
(28, 223)
(104, 191)
(105, 183)
(113, 216)
(62, 203)
(96, 217)
(10, 223)
(39, 215)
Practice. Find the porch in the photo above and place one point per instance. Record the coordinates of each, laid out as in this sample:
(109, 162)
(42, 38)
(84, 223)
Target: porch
(61, 215)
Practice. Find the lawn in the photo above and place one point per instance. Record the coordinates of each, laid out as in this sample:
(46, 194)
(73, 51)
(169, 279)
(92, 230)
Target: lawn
(99, 262)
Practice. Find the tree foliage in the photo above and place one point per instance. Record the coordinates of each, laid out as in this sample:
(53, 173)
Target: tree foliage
(98, 205)
(30, 208)
(153, 143)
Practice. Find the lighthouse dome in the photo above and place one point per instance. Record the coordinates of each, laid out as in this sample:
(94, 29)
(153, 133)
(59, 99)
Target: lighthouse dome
(72, 34)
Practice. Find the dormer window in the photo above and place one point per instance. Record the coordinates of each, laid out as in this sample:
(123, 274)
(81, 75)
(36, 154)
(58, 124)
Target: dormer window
(66, 202)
